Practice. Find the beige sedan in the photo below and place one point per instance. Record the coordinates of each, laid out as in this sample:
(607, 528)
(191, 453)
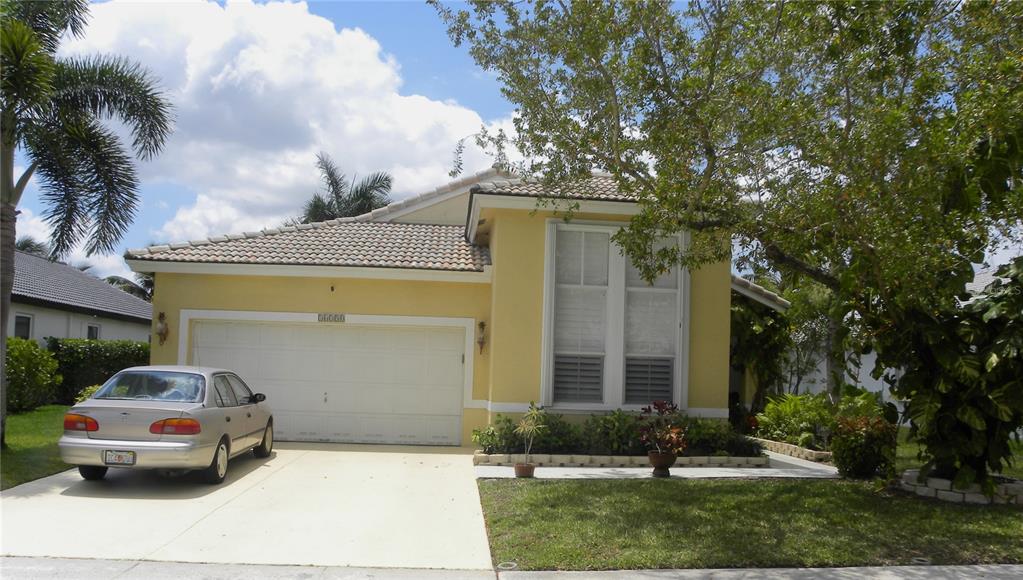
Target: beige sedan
(173, 418)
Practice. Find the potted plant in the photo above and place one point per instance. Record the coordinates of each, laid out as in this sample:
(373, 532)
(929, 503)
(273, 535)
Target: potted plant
(664, 437)
(530, 425)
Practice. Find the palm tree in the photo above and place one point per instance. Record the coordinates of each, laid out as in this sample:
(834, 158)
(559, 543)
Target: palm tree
(30, 245)
(52, 108)
(140, 287)
(342, 199)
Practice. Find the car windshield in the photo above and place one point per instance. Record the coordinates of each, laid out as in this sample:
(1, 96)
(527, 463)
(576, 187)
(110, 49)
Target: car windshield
(154, 386)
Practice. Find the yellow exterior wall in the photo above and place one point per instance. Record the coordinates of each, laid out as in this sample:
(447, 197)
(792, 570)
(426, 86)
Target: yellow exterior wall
(517, 245)
(509, 368)
(176, 292)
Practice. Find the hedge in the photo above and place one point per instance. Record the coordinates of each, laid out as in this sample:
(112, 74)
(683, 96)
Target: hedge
(84, 362)
(32, 378)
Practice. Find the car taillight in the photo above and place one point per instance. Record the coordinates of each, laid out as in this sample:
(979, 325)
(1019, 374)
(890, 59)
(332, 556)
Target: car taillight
(175, 427)
(75, 422)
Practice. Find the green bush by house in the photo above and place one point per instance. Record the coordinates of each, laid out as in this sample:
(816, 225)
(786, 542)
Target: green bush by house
(32, 377)
(615, 433)
(84, 363)
(864, 447)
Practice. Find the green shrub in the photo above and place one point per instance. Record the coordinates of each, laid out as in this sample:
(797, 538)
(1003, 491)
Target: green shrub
(804, 420)
(616, 433)
(713, 437)
(87, 392)
(32, 377)
(83, 362)
(559, 436)
(864, 447)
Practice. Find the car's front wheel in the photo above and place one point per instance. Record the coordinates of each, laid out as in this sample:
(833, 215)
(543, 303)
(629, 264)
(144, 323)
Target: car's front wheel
(267, 445)
(217, 470)
(92, 472)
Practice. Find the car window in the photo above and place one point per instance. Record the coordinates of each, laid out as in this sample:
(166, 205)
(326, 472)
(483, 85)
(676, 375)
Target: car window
(225, 396)
(241, 391)
(154, 386)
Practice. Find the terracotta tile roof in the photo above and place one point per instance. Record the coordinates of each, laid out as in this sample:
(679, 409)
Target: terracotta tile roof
(38, 280)
(600, 186)
(343, 242)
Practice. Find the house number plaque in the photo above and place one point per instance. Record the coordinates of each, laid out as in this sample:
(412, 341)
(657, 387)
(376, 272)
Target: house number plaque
(330, 317)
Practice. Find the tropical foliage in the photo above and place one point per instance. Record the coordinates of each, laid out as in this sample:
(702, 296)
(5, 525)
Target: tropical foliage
(84, 363)
(761, 338)
(53, 110)
(141, 287)
(863, 447)
(963, 379)
(30, 245)
(342, 198)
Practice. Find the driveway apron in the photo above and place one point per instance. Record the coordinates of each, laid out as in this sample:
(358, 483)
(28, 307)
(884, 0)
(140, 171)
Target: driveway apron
(308, 504)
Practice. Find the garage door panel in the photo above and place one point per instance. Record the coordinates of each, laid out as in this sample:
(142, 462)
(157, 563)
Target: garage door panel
(383, 384)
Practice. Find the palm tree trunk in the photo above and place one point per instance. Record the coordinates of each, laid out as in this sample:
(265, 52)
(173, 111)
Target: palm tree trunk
(8, 222)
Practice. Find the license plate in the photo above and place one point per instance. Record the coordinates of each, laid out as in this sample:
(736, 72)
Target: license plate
(119, 457)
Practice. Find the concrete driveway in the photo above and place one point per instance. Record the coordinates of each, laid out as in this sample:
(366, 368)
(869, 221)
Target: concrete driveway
(308, 504)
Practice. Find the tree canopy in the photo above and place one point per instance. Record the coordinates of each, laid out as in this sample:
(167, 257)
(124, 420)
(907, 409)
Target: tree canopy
(873, 147)
(342, 198)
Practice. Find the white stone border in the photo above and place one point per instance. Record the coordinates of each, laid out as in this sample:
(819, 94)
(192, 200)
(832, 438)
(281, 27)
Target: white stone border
(544, 460)
(938, 488)
(794, 450)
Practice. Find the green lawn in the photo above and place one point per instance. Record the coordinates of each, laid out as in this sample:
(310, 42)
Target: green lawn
(626, 524)
(32, 445)
(905, 455)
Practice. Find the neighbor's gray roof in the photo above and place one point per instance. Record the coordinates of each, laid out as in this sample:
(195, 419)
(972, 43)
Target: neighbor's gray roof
(600, 187)
(37, 280)
(342, 242)
(981, 280)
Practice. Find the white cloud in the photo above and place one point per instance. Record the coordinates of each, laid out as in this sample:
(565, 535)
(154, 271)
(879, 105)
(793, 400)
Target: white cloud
(102, 265)
(258, 91)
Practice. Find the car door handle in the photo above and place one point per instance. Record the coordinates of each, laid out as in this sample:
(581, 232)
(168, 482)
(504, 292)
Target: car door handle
(228, 419)
(248, 414)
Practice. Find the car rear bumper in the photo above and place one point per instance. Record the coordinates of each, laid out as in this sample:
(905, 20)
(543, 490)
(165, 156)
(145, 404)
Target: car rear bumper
(148, 454)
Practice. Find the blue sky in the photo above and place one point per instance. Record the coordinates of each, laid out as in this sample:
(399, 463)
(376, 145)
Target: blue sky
(259, 89)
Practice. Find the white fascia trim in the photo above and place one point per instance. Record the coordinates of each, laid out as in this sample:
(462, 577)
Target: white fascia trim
(493, 200)
(297, 271)
(187, 316)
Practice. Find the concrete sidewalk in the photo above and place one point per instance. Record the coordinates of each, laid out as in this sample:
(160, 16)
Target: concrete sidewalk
(63, 568)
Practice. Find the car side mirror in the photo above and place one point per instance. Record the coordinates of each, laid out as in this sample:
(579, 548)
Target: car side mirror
(258, 398)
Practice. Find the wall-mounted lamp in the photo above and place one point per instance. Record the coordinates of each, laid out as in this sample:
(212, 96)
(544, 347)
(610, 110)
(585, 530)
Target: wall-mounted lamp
(162, 330)
(481, 338)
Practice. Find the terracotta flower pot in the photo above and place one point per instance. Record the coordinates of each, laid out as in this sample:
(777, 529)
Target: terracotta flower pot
(524, 469)
(661, 461)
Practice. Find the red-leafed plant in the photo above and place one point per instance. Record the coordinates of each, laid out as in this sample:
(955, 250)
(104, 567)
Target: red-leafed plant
(661, 428)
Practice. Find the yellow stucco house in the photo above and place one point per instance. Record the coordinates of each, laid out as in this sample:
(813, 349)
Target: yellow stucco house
(421, 321)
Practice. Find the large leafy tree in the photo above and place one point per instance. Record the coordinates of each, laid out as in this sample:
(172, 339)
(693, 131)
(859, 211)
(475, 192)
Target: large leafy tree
(342, 198)
(53, 109)
(872, 147)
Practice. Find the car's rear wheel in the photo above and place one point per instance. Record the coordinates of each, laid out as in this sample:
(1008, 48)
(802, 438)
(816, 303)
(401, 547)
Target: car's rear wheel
(217, 470)
(267, 445)
(92, 472)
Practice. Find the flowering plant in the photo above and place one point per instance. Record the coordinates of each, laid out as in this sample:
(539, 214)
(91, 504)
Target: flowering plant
(661, 428)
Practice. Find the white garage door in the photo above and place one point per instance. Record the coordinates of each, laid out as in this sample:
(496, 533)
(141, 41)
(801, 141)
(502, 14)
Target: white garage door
(362, 384)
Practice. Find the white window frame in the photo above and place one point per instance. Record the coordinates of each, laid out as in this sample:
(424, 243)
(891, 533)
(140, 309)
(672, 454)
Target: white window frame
(614, 347)
(31, 324)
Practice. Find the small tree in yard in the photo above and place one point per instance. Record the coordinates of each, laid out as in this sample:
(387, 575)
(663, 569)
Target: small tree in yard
(963, 379)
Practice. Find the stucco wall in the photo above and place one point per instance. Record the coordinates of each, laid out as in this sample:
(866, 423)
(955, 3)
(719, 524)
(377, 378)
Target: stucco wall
(63, 324)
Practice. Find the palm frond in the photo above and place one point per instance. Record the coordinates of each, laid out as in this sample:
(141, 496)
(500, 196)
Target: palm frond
(135, 288)
(369, 194)
(61, 186)
(49, 20)
(30, 245)
(318, 209)
(116, 87)
(27, 79)
(333, 178)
